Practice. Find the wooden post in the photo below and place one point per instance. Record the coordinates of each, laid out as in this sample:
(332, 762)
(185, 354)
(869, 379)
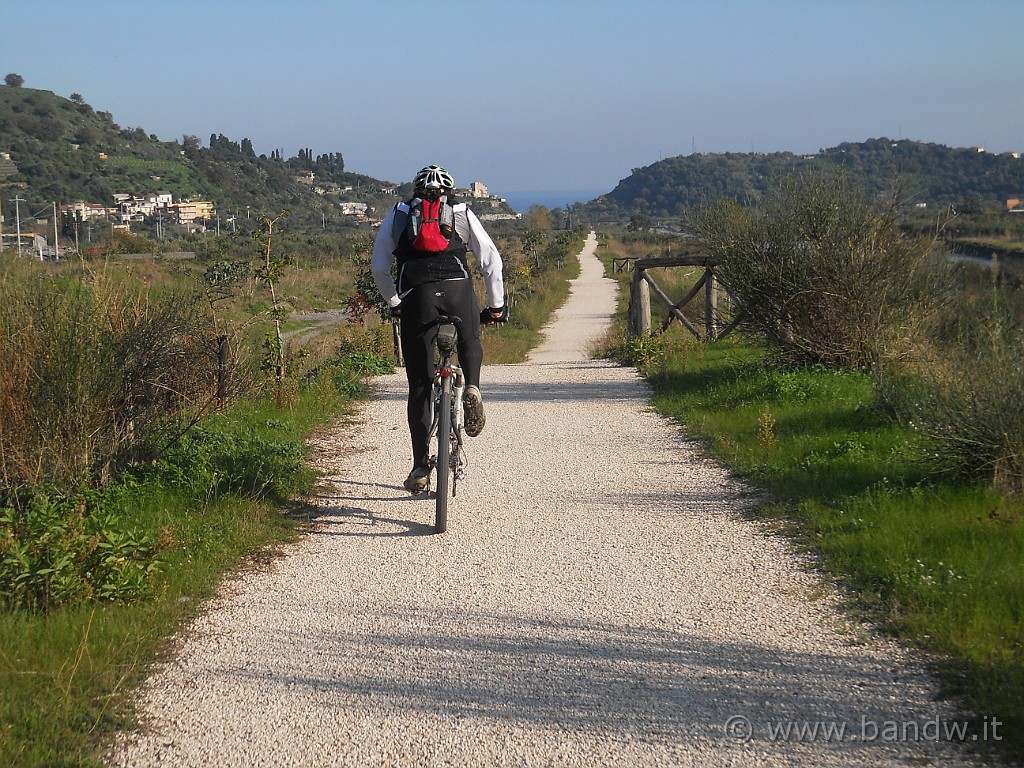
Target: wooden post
(396, 337)
(645, 309)
(222, 371)
(632, 323)
(710, 304)
(639, 306)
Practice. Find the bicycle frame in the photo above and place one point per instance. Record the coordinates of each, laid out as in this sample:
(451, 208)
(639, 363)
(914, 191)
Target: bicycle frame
(447, 422)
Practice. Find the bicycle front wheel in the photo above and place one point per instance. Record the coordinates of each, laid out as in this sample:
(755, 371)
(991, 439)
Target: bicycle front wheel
(444, 455)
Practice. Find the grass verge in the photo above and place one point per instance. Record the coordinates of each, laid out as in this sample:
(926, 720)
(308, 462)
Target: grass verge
(213, 504)
(932, 561)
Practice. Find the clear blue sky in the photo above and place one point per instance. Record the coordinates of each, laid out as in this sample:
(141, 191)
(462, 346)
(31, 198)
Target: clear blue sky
(534, 94)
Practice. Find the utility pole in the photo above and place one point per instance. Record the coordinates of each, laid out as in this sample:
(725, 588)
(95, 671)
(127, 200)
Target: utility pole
(56, 235)
(17, 217)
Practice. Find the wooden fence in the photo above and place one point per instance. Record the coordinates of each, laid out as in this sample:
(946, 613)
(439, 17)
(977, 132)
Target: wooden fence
(709, 283)
(623, 263)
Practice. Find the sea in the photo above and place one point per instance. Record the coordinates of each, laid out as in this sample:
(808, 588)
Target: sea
(520, 202)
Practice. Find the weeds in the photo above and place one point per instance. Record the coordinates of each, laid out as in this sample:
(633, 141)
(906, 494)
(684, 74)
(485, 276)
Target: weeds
(90, 367)
(645, 353)
(967, 400)
(61, 550)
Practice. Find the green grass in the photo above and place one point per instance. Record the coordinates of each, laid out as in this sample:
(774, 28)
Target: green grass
(934, 562)
(65, 677)
(212, 503)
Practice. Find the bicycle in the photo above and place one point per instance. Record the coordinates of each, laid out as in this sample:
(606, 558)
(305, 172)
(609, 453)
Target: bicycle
(449, 458)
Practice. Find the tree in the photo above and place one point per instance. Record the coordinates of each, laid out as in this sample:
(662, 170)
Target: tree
(86, 134)
(537, 217)
(14, 80)
(77, 98)
(639, 222)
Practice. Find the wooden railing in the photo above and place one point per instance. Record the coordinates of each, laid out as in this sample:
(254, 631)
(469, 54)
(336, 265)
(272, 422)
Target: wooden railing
(709, 284)
(623, 263)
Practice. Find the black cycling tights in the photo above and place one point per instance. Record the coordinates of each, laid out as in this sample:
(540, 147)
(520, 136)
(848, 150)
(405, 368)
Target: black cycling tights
(420, 308)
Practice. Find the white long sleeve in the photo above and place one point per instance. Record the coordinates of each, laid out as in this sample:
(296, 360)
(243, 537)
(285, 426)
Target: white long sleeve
(383, 256)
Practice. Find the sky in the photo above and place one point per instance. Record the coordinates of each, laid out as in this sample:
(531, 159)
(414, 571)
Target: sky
(533, 94)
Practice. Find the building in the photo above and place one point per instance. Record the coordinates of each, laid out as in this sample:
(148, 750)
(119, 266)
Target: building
(160, 199)
(353, 209)
(478, 189)
(187, 211)
(137, 208)
(82, 211)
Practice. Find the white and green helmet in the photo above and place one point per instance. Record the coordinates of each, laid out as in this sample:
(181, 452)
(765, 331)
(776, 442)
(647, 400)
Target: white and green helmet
(434, 177)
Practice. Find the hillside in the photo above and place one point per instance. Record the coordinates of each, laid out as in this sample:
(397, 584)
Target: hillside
(57, 149)
(930, 173)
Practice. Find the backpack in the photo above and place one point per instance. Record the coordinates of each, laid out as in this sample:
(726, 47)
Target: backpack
(429, 224)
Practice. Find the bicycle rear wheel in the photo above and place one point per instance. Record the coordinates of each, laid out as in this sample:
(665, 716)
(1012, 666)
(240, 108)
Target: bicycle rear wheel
(444, 455)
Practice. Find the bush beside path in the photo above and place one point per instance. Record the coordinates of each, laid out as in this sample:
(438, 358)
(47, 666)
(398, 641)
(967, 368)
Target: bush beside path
(598, 599)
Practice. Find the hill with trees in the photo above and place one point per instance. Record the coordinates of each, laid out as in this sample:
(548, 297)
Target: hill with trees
(57, 149)
(928, 173)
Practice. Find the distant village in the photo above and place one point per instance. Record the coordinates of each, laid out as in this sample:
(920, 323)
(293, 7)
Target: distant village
(196, 215)
(201, 215)
(129, 208)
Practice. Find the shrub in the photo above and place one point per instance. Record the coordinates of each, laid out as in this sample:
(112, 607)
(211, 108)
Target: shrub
(967, 398)
(645, 353)
(365, 349)
(60, 550)
(824, 274)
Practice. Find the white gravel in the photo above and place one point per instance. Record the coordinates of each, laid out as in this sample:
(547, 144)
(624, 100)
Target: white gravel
(598, 600)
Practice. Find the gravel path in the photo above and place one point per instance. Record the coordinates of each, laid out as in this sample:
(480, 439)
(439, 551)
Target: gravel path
(598, 600)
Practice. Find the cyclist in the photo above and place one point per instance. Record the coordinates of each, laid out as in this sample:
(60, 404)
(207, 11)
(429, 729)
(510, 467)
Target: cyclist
(428, 235)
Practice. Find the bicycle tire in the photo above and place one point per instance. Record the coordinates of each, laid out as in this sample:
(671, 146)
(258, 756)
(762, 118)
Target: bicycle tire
(444, 448)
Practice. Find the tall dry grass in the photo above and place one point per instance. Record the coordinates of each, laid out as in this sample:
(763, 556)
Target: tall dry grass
(965, 390)
(90, 365)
